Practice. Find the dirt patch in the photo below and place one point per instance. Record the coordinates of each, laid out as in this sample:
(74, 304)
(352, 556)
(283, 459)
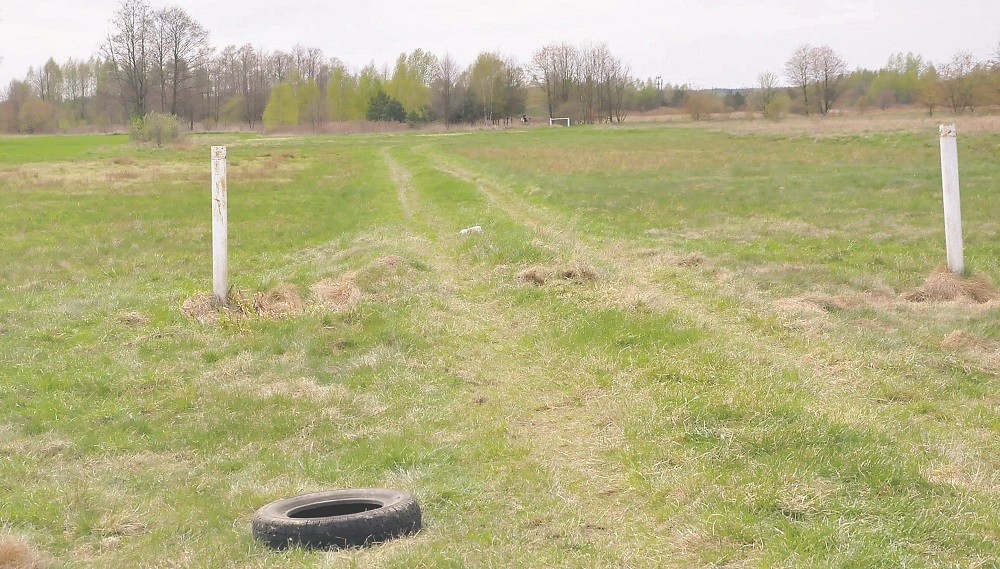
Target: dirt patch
(390, 262)
(575, 272)
(337, 294)
(280, 301)
(206, 308)
(692, 260)
(18, 554)
(133, 319)
(944, 285)
(203, 307)
(533, 275)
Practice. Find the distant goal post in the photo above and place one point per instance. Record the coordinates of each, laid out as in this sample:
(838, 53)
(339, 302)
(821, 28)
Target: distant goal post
(561, 121)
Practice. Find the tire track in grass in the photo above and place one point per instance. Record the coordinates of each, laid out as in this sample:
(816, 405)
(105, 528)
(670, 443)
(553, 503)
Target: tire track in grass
(634, 280)
(591, 504)
(574, 439)
(839, 394)
(402, 180)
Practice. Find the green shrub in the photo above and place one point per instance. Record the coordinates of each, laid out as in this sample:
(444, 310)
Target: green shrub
(156, 127)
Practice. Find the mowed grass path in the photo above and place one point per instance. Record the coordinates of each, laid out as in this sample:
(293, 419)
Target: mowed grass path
(668, 347)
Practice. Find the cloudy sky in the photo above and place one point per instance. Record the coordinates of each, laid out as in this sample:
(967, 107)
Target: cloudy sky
(712, 43)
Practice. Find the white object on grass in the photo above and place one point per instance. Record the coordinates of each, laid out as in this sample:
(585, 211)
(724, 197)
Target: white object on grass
(952, 203)
(473, 229)
(220, 225)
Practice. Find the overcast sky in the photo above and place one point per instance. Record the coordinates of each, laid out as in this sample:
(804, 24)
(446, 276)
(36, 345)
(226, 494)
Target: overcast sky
(713, 43)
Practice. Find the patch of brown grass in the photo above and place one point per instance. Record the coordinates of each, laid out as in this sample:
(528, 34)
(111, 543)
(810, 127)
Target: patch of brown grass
(119, 524)
(18, 554)
(203, 307)
(280, 301)
(575, 272)
(133, 318)
(943, 285)
(817, 302)
(338, 294)
(101, 177)
(121, 175)
(691, 260)
(961, 339)
(533, 275)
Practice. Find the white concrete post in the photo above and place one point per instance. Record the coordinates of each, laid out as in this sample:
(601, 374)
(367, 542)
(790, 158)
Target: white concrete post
(220, 225)
(952, 203)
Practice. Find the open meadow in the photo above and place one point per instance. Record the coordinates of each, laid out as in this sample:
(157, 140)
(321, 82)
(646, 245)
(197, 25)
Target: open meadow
(670, 346)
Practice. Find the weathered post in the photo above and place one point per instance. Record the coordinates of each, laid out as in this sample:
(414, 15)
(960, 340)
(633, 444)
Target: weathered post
(952, 203)
(220, 225)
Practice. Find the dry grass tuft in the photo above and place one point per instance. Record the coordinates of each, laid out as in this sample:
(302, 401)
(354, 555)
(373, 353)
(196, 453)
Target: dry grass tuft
(121, 176)
(533, 275)
(280, 301)
(119, 524)
(692, 260)
(203, 307)
(206, 308)
(18, 554)
(575, 272)
(961, 339)
(944, 285)
(337, 294)
(124, 160)
(391, 262)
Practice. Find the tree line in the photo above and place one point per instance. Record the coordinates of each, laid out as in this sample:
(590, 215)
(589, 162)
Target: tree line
(819, 80)
(161, 60)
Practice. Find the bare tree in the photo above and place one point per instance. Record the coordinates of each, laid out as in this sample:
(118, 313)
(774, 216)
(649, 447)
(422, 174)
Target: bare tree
(994, 74)
(554, 70)
(587, 69)
(513, 84)
(829, 70)
(253, 82)
(622, 90)
(611, 83)
(444, 87)
(767, 88)
(962, 79)
(280, 65)
(307, 60)
(181, 49)
(47, 81)
(799, 71)
(130, 49)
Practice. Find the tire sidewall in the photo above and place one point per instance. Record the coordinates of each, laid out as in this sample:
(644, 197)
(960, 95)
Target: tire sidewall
(397, 514)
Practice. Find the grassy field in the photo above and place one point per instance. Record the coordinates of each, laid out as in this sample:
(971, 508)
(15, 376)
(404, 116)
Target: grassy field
(670, 346)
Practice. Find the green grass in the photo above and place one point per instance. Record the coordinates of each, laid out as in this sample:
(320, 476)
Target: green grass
(737, 381)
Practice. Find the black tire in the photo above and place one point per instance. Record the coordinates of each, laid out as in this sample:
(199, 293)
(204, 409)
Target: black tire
(339, 518)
